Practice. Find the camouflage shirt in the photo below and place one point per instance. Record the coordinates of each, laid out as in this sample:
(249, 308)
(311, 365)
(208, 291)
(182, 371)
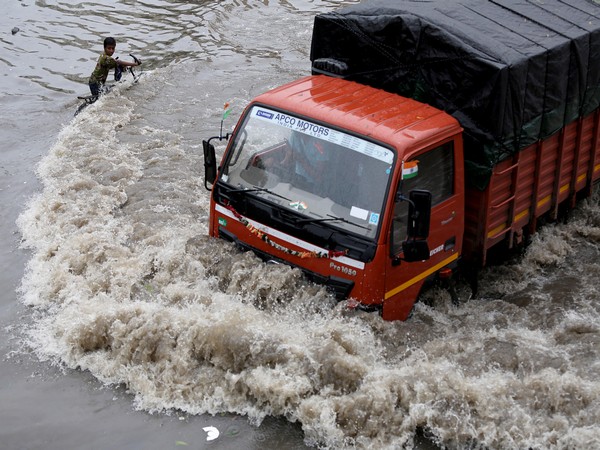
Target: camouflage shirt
(104, 64)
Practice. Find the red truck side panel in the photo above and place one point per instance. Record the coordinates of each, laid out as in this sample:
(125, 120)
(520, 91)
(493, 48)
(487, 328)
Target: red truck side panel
(534, 182)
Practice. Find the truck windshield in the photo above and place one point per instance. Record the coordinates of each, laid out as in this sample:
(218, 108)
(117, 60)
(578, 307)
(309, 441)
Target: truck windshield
(315, 170)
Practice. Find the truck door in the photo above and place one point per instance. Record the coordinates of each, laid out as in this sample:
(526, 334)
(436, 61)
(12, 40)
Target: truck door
(435, 170)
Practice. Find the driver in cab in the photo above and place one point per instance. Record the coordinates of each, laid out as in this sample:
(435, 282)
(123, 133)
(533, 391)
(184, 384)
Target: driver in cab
(310, 158)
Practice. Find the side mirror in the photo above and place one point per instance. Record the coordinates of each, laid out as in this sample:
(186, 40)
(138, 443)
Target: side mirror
(210, 164)
(419, 214)
(415, 248)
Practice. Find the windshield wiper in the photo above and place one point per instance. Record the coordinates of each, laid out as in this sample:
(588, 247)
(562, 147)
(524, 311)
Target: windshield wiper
(330, 218)
(257, 189)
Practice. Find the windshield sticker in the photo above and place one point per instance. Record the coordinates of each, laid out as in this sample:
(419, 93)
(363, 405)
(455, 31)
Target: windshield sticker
(359, 213)
(327, 134)
(374, 218)
(265, 114)
(298, 206)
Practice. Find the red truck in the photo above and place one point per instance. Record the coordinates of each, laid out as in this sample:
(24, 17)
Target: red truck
(427, 135)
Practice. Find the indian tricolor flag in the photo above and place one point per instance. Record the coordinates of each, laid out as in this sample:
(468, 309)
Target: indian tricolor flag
(410, 169)
(226, 110)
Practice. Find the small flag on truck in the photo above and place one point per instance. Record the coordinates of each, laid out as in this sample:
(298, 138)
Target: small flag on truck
(410, 169)
(226, 110)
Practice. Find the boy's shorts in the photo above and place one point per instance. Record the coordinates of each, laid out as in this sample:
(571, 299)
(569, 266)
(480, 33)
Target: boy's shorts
(95, 88)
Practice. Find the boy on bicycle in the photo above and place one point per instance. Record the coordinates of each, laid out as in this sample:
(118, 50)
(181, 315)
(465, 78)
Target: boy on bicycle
(105, 63)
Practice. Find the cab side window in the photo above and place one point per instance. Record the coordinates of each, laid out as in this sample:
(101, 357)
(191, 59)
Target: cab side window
(432, 171)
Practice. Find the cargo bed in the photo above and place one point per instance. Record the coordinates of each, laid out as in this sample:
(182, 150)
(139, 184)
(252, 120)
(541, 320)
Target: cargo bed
(531, 184)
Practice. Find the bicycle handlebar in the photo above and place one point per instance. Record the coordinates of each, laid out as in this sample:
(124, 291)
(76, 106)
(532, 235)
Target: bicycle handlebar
(135, 59)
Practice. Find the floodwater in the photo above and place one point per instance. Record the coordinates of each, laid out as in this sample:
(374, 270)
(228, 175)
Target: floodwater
(125, 326)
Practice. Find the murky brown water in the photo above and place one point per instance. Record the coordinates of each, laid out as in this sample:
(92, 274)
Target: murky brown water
(124, 284)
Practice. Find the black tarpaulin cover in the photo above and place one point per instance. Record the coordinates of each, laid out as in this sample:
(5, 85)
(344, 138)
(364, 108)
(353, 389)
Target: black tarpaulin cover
(510, 71)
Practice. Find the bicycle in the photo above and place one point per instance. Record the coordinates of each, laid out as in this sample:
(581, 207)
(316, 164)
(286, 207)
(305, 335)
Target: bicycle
(89, 99)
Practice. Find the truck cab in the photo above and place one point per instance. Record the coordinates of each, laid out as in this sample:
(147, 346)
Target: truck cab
(335, 178)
